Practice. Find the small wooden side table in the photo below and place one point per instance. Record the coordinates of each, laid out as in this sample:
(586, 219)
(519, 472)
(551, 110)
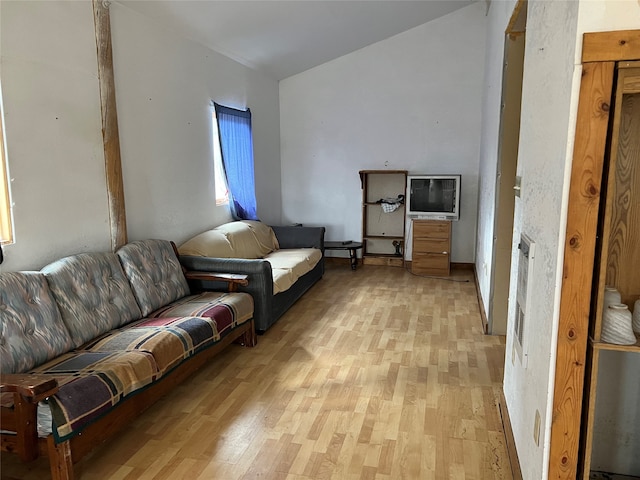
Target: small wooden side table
(352, 247)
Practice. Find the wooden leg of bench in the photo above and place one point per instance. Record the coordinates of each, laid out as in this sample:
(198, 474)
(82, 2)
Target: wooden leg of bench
(60, 459)
(27, 435)
(250, 338)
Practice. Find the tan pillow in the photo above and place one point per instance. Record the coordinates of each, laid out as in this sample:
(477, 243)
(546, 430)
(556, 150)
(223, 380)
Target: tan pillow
(264, 236)
(211, 243)
(242, 239)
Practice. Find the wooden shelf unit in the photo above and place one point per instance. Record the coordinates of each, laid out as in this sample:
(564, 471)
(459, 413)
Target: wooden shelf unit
(431, 247)
(618, 244)
(616, 348)
(379, 229)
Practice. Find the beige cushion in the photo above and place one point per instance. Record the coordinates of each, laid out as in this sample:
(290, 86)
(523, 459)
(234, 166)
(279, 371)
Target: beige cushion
(264, 236)
(282, 279)
(242, 239)
(290, 264)
(211, 243)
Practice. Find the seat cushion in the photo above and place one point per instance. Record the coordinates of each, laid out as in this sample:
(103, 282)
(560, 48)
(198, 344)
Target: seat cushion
(288, 265)
(31, 329)
(92, 293)
(154, 272)
(181, 329)
(169, 341)
(228, 310)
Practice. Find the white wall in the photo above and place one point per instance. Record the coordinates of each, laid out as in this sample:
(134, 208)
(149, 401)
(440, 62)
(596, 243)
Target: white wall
(543, 160)
(411, 102)
(549, 103)
(164, 84)
(53, 128)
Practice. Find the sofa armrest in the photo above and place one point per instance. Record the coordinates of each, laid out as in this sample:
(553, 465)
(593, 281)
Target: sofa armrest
(300, 237)
(27, 391)
(226, 265)
(260, 281)
(232, 279)
(33, 387)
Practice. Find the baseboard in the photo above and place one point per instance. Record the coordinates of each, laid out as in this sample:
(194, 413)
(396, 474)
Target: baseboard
(483, 314)
(516, 472)
(462, 266)
(340, 260)
(383, 261)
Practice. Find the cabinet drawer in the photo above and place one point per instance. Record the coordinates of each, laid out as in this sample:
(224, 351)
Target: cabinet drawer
(430, 264)
(430, 245)
(431, 228)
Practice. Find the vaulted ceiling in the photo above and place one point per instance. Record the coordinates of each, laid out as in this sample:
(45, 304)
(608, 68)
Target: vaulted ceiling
(283, 38)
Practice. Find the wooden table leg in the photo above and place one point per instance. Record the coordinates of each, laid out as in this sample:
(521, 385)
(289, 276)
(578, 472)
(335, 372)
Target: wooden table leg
(354, 258)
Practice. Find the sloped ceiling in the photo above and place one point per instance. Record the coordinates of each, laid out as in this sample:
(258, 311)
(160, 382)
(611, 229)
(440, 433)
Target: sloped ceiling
(283, 38)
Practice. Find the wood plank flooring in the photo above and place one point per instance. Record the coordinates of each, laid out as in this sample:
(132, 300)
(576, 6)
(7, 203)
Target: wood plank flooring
(373, 374)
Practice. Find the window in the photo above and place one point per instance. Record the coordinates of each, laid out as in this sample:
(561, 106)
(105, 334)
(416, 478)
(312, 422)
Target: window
(236, 147)
(222, 190)
(6, 228)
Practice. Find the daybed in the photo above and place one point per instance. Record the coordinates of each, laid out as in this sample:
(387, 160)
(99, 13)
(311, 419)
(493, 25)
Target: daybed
(93, 339)
(282, 262)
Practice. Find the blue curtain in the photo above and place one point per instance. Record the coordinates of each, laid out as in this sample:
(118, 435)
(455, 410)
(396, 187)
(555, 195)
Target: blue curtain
(236, 146)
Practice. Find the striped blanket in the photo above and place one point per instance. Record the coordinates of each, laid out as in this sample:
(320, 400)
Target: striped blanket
(122, 362)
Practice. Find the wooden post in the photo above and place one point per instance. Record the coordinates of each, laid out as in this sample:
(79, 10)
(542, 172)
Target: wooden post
(579, 253)
(600, 51)
(27, 435)
(110, 135)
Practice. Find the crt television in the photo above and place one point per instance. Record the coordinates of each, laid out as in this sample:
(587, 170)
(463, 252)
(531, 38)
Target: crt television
(433, 196)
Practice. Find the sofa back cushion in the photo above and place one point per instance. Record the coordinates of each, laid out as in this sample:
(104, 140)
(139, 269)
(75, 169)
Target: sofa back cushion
(154, 272)
(31, 329)
(92, 293)
(243, 239)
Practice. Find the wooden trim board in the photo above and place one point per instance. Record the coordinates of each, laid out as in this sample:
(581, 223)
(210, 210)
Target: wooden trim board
(110, 133)
(611, 46)
(483, 313)
(579, 253)
(510, 440)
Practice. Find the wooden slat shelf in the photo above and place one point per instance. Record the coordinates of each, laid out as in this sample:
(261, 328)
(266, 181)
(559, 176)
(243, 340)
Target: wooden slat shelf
(382, 233)
(376, 204)
(617, 348)
(385, 237)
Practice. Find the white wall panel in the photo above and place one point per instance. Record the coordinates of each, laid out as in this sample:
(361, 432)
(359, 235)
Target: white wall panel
(411, 102)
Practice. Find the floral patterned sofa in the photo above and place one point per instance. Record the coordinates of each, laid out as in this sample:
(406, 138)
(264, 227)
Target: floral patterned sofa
(93, 339)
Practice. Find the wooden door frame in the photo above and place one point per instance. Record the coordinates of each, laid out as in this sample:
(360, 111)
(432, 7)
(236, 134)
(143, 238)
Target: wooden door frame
(504, 204)
(600, 51)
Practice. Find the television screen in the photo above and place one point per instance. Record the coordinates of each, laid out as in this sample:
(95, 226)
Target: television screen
(434, 196)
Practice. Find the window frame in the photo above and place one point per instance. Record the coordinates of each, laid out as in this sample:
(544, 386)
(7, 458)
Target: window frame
(6, 213)
(220, 178)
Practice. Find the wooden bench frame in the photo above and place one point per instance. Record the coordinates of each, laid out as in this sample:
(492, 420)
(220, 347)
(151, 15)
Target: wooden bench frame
(28, 390)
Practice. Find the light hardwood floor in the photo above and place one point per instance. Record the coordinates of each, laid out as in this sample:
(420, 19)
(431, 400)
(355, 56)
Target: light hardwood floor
(373, 374)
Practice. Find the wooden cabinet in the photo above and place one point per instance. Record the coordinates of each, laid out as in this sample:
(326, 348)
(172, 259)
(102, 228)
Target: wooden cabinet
(431, 247)
(382, 222)
(617, 264)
